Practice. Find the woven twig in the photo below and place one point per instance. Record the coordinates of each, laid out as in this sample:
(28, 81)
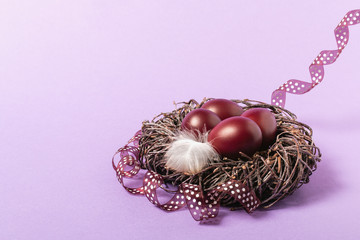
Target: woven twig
(273, 173)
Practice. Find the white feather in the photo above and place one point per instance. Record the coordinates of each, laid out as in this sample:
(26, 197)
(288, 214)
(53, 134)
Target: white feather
(190, 153)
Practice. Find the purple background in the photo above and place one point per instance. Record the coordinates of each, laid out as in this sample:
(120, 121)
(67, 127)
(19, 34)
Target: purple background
(77, 78)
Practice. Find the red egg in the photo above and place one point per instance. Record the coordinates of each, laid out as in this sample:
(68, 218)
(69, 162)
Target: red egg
(234, 135)
(223, 108)
(266, 121)
(200, 120)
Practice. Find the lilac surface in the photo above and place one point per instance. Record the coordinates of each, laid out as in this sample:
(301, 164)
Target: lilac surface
(77, 78)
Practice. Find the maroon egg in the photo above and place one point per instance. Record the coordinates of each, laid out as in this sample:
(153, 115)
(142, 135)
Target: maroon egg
(223, 108)
(234, 135)
(266, 121)
(200, 120)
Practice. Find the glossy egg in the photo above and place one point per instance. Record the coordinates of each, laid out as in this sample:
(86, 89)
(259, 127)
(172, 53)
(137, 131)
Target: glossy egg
(223, 108)
(201, 120)
(234, 135)
(266, 121)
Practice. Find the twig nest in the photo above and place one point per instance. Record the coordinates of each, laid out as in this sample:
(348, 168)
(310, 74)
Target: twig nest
(273, 172)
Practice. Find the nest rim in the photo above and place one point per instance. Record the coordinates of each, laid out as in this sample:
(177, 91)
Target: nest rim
(272, 174)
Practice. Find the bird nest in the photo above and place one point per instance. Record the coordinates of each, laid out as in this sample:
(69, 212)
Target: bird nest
(272, 174)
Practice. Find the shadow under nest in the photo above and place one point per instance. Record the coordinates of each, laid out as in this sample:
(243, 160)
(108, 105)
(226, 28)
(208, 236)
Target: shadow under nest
(273, 173)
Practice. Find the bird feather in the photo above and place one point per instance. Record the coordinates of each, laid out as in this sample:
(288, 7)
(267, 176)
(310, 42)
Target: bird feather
(190, 153)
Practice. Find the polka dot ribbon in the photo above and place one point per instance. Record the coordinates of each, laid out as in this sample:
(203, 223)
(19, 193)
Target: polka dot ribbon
(129, 157)
(316, 68)
(203, 205)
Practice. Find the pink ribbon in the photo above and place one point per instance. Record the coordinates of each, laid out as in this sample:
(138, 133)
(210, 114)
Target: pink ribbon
(316, 68)
(129, 156)
(203, 206)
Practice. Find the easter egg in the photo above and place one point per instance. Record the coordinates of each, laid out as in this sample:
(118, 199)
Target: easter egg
(223, 108)
(234, 135)
(201, 120)
(266, 121)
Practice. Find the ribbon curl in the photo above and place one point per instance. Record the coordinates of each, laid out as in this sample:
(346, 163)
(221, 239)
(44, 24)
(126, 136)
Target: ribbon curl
(203, 206)
(129, 156)
(316, 68)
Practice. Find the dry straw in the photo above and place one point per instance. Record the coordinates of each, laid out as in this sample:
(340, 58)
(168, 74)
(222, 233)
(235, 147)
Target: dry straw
(273, 173)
